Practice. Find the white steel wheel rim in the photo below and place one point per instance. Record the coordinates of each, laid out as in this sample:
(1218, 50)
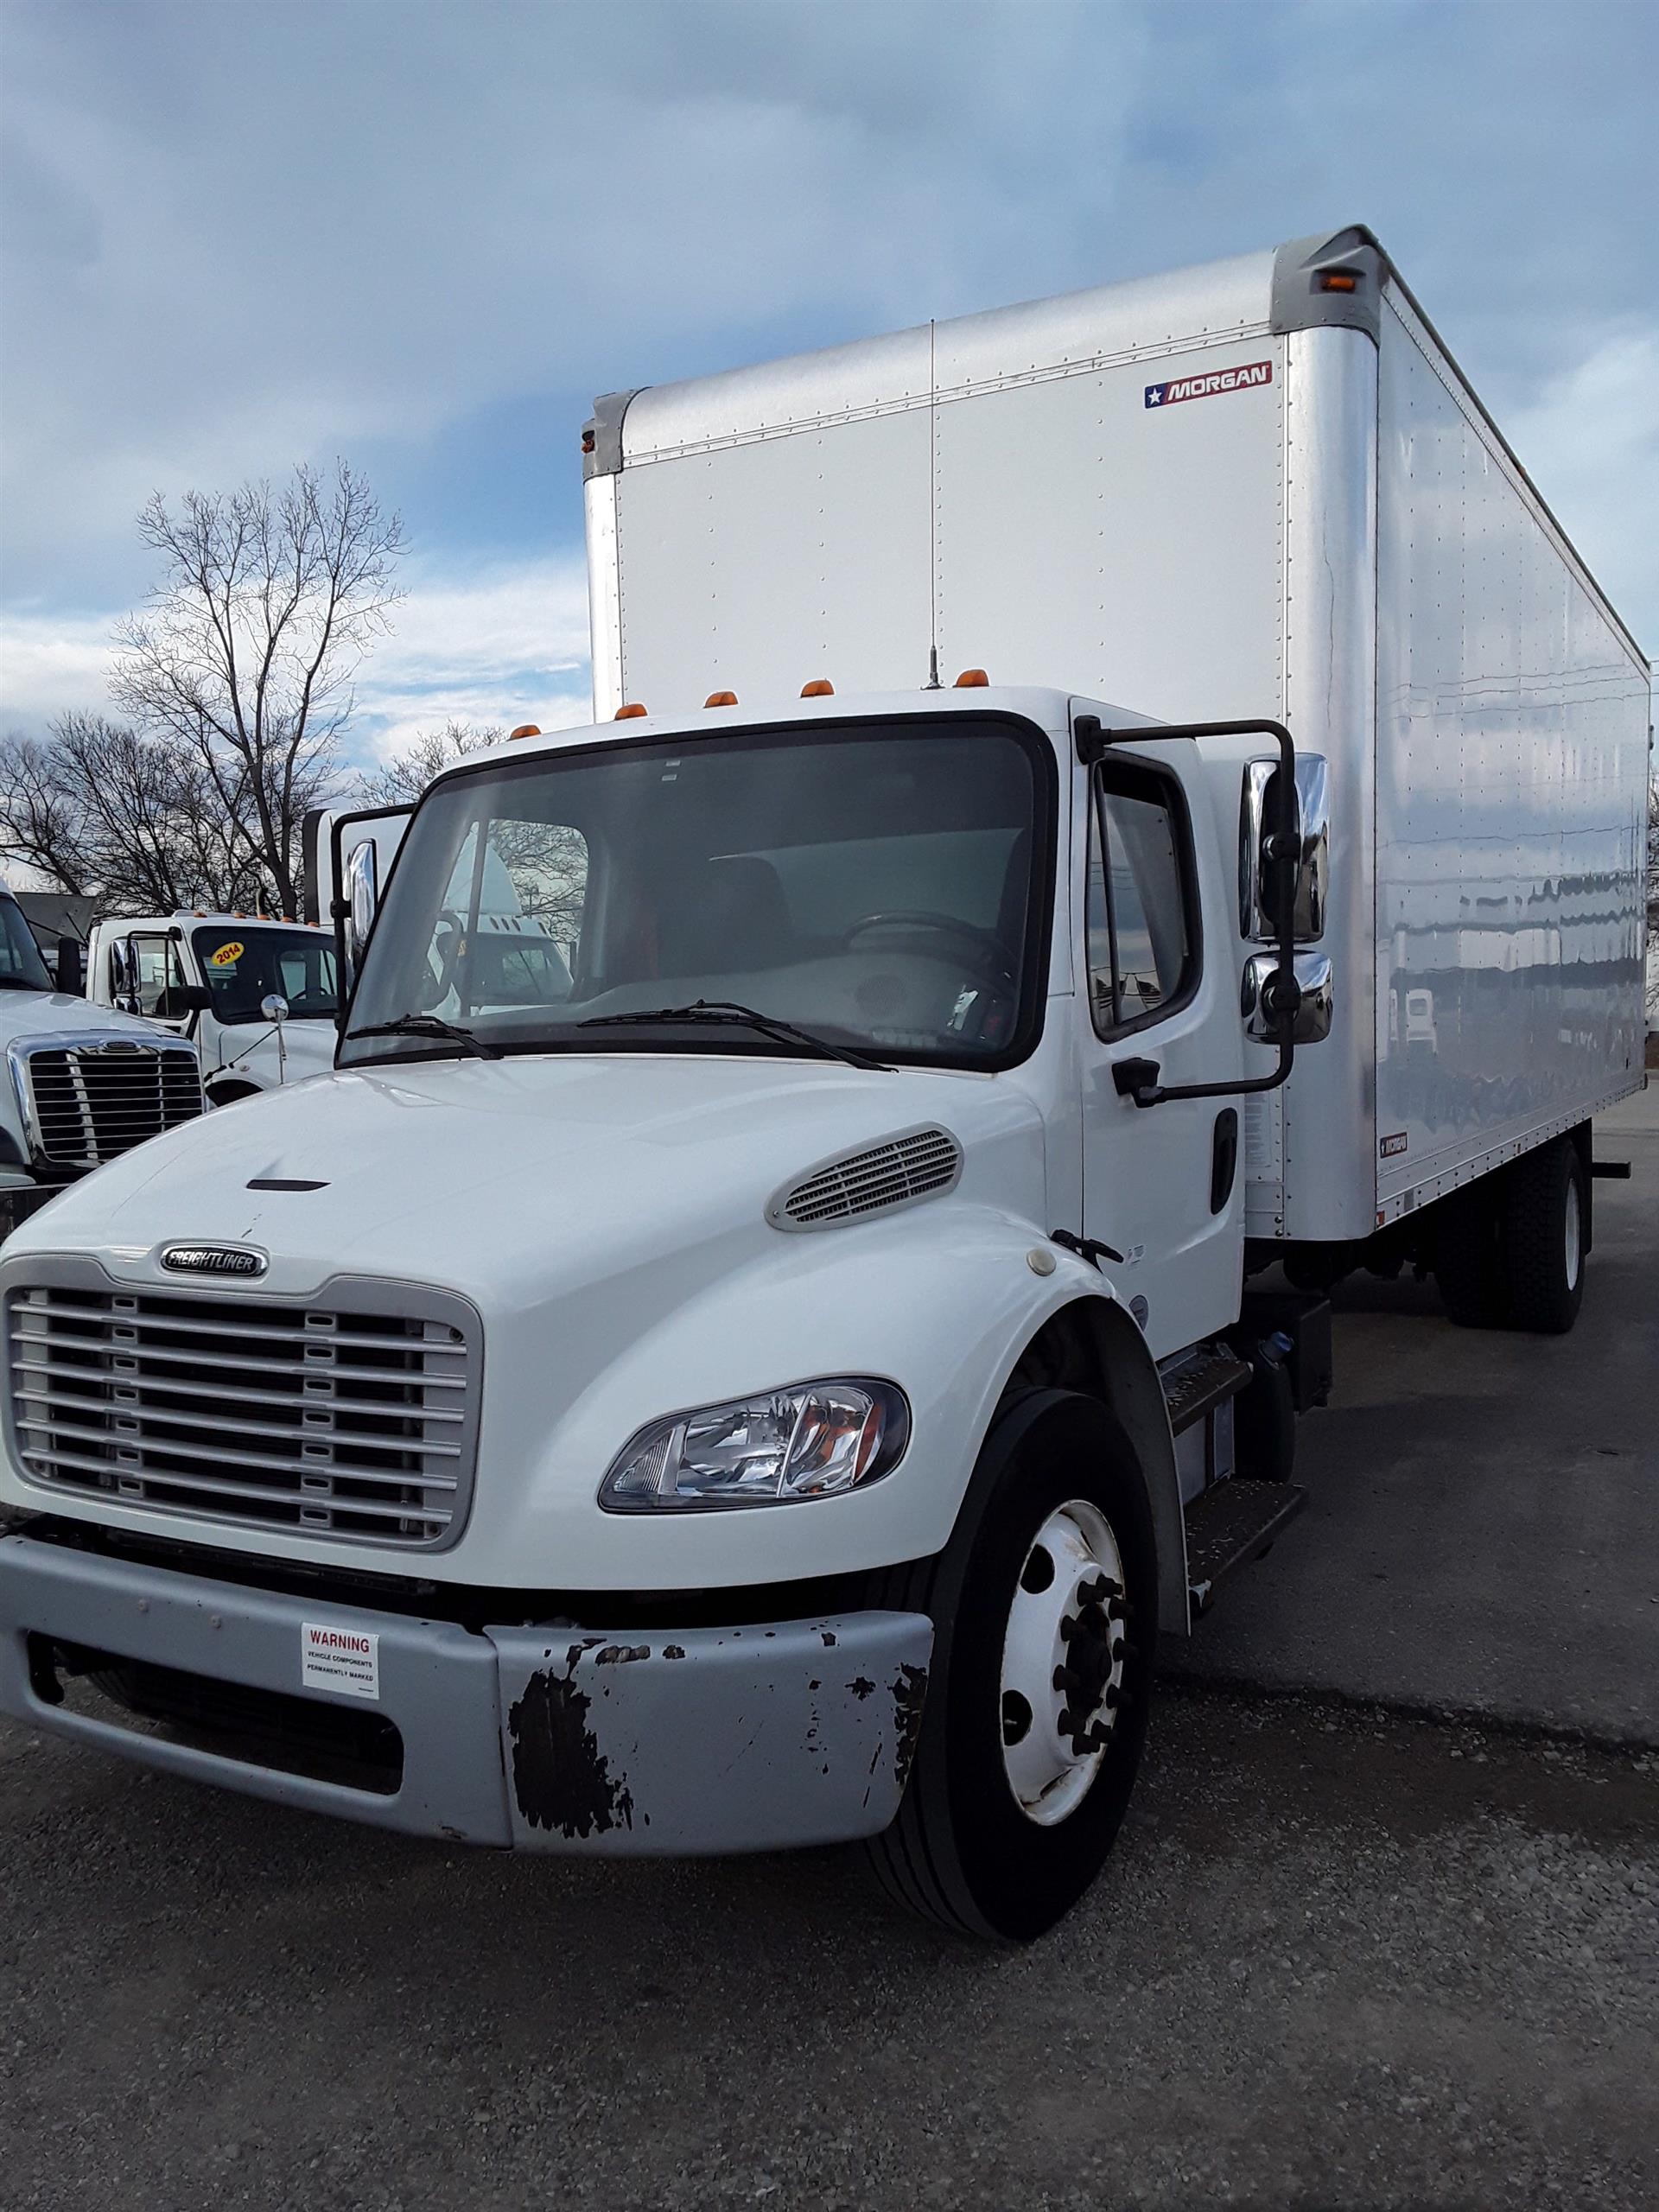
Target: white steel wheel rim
(1574, 1254)
(1063, 1663)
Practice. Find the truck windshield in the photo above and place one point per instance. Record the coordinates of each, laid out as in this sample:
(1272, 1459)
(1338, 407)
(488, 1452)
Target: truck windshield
(22, 968)
(243, 964)
(880, 884)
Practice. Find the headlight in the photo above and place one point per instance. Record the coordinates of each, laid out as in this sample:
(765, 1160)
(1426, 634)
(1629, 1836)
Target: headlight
(814, 1439)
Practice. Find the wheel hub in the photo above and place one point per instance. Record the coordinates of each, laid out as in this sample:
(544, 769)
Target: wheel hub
(1063, 1661)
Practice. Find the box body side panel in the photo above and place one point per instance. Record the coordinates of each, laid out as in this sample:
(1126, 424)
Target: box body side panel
(1512, 754)
(1051, 527)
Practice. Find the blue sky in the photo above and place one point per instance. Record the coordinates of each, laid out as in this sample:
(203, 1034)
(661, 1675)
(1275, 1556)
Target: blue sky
(235, 234)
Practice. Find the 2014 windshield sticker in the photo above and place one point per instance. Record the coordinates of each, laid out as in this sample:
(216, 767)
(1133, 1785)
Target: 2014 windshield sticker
(1209, 384)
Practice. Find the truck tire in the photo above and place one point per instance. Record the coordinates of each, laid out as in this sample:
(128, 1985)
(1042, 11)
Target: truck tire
(1044, 1605)
(1469, 1259)
(1543, 1227)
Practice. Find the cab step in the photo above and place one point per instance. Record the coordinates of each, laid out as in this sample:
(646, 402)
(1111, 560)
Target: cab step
(1232, 1522)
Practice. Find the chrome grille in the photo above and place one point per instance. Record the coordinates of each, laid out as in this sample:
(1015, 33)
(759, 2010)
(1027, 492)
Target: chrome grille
(352, 1417)
(90, 1102)
(915, 1166)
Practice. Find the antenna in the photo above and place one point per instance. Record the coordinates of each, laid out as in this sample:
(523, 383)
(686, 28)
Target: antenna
(932, 509)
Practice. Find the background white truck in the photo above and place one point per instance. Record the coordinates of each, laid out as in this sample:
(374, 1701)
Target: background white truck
(768, 1376)
(83, 1084)
(211, 978)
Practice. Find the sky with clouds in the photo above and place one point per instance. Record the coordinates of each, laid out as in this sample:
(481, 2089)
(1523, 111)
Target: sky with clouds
(236, 234)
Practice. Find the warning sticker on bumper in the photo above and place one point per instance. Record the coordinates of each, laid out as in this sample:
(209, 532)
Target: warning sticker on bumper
(341, 1659)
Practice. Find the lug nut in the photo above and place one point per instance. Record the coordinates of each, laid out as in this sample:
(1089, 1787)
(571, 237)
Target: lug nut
(1068, 1628)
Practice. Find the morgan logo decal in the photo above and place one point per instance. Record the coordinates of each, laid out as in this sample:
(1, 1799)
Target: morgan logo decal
(1208, 385)
(1391, 1148)
(213, 1260)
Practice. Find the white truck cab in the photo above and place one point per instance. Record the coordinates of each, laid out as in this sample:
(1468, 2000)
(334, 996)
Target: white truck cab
(84, 1084)
(258, 997)
(762, 1327)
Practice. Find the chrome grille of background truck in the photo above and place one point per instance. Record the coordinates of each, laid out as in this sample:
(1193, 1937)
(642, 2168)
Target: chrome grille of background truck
(352, 1416)
(90, 1102)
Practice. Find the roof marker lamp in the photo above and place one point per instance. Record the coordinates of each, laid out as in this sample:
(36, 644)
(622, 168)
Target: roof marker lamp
(812, 1439)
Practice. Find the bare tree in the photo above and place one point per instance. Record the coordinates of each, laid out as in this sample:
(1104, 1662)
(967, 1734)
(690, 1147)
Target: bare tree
(133, 822)
(39, 821)
(406, 775)
(245, 654)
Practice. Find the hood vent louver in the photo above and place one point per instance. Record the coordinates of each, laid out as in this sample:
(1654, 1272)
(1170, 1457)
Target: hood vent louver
(879, 1178)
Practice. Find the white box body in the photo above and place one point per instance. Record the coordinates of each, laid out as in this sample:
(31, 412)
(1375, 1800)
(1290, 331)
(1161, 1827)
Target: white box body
(1328, 531)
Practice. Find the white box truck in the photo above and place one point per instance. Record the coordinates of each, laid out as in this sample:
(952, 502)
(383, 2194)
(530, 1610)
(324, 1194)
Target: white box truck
(256, 995)
(756, 1338)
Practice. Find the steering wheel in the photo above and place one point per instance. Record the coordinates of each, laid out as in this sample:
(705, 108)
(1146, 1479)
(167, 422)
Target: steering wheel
(982, 950)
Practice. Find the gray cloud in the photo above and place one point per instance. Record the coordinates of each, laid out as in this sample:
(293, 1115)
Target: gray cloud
(236, 235)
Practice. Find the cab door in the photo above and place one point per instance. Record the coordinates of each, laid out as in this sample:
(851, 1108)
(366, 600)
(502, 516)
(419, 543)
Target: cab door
(1162, 1185)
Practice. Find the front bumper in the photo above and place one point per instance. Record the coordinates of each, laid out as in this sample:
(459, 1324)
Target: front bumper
(540, 1738)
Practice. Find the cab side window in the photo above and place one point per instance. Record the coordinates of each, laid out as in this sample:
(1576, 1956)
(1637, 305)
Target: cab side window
(1141, 913)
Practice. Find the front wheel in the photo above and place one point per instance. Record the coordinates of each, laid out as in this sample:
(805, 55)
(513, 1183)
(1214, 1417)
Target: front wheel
(1045, 1606)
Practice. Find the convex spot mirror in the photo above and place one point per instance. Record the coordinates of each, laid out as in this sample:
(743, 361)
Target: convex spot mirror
(1314, 1011)
(1257, 817)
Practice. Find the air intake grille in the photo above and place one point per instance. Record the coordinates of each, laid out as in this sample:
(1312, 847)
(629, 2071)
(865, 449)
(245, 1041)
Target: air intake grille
(916, 1166)
(92, 1102)
(351, 1418)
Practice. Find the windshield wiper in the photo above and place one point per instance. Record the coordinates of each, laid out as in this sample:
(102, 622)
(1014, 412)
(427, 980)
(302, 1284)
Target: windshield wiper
(727, 1012)
(429, 1025)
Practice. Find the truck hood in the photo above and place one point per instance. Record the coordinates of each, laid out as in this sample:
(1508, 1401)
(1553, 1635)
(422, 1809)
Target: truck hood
(309, 1043)
(510, 1180)
(26, 1014)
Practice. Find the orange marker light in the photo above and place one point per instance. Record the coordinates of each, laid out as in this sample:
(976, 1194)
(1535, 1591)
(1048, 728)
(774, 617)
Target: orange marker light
(587, 442)
(627, 714)
(525, 729)
(720, 699)
(819, 687)
(972, 679)
(1339, 279)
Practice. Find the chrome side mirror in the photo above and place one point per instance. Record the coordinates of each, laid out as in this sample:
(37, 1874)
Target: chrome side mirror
(361, 894)
(1315, 981)
(123, 974)
(1313, 868)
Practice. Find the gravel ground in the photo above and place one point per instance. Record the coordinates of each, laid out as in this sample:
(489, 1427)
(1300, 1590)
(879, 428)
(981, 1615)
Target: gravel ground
(1342, 1958)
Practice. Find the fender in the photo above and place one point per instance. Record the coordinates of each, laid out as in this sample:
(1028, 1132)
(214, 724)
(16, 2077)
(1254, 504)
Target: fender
(942, 1301)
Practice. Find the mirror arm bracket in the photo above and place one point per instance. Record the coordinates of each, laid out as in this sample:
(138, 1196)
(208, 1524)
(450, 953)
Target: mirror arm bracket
(1093, 740)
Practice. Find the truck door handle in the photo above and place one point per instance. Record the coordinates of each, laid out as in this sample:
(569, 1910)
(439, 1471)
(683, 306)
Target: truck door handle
(1086, 1248)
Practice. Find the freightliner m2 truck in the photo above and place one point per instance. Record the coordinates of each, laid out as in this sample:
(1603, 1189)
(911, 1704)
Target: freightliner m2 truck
(765, 1367)
(256, 995)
